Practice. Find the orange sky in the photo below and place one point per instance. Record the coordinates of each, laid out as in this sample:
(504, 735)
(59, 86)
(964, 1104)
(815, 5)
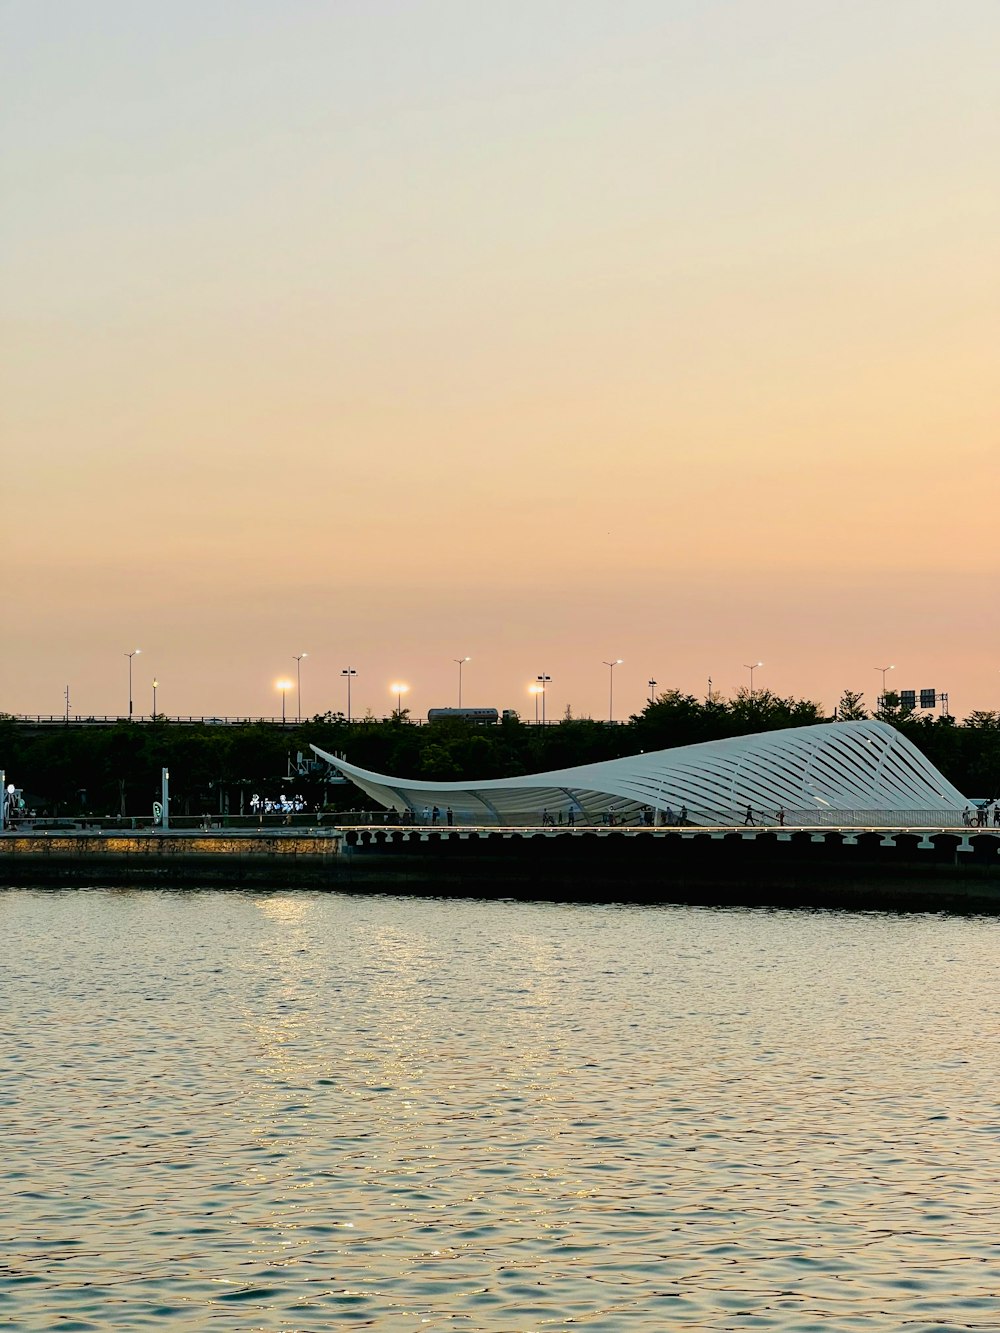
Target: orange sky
(545, 332)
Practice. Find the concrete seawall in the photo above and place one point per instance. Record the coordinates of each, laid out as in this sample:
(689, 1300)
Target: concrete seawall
(142, 857)
(909, 870)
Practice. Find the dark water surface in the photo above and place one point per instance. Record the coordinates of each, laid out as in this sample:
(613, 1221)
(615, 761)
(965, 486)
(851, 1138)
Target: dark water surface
(305, 1111)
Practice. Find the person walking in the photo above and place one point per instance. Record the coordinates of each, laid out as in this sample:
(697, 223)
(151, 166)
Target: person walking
(748, 817)
(435, 815)
(781, 816)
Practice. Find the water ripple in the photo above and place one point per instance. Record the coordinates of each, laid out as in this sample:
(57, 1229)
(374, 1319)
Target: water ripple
(306, 1111)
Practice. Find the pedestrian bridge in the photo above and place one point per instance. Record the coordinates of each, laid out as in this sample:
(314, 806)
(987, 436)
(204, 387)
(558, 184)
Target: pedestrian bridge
(923, 837)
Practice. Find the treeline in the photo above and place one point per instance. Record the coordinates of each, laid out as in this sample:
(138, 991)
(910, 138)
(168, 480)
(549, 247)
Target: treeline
(116, 769)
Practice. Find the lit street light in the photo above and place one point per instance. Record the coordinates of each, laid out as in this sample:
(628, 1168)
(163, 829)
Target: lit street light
(155, 683)
(460, 662)
(284, 686)
(883, 670)
(134, 653)
(399, 690)
(611, 687)
(348, 672)
(752, 667)
(536, 690)
(298, 688)
(543, 680)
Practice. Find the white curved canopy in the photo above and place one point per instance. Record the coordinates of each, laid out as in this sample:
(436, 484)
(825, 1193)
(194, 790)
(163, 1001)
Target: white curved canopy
(838, 772)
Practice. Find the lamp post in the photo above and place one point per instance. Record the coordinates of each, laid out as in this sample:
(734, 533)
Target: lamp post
(543, 680)
(536, 690)
(883, 670)
(652, 689)
(7, 790)
(134, 653)
(399, 690)
(298, 684)
(460, 662)
(348, 672)
(752, 667)
(155, 683)
(284, 686)
(66, 693)
(611, 687)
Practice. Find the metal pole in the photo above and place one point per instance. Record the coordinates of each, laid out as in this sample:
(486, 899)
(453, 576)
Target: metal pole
(348, 672)
(66, 692)
(165, 798)
(460, 662)
(543, 680)
(155, 683)
(130, 655)
(611, 687)
(652, 689)
(3, 799)
(298, 685)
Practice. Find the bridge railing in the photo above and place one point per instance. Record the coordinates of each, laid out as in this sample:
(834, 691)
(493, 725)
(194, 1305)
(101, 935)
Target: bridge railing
(731, 821)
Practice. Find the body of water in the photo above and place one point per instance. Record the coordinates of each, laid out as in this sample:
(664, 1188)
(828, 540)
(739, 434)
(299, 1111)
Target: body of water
(300, 1111)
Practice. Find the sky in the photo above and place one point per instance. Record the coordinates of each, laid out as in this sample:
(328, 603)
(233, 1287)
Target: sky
(546, 332)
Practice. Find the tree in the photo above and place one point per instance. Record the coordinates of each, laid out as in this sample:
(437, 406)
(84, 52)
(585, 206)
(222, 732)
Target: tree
(850, 708)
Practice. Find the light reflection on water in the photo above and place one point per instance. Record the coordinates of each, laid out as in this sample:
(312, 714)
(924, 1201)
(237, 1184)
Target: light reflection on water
(303, 1111)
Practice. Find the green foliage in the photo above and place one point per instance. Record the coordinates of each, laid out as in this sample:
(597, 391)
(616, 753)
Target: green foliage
(56, 765)
(851, 708)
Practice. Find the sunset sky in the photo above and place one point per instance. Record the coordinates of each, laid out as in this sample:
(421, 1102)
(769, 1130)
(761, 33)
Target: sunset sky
(543, 331)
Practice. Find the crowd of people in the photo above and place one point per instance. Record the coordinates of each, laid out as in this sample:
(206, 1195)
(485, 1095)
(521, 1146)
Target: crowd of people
(981, 816)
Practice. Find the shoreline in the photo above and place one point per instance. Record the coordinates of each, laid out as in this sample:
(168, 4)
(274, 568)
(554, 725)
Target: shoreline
(866, 872)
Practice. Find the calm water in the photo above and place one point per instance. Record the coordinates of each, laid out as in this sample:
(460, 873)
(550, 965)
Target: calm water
(299, 1111)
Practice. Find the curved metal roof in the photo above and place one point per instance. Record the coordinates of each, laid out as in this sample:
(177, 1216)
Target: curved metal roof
(843, 772)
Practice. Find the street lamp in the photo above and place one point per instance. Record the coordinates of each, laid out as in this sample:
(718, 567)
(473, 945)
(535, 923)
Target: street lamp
(883, 670)
(284, 686)
(348, 672)
(752, 667)
(652, 689)
(543, 680)
(611, 687)
(298, 688)
(134, 653)
(536, 690)
(399, 690)
(460, 662)
(155, 683)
